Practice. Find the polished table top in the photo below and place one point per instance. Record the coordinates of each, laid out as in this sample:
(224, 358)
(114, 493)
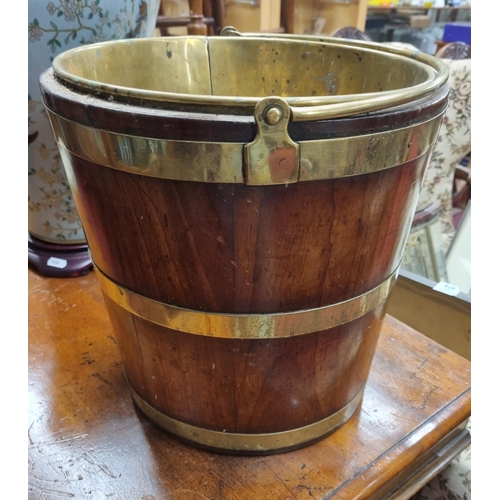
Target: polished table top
(87, 439)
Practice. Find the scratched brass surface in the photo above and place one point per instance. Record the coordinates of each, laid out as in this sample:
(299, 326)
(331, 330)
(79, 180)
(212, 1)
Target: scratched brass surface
(230, 441)
(245, 326)
(224, 161)
(361, 103)
(272, 157)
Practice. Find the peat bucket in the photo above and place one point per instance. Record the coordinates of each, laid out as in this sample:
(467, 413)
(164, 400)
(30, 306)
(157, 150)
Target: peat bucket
(246, 201)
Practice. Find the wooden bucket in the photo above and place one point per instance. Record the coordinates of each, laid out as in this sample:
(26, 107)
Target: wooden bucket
(246, 245)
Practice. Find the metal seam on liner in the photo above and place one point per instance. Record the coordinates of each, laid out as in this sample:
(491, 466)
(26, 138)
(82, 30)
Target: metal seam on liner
(230, 441)
(223, 162)
(358, 103)
(245, 326)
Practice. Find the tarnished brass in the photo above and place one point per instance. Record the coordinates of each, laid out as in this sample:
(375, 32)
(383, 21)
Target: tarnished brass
(417, 55)
(231, 441)
(176, 160)
(274, 115)
(245, 326)
(229, 31)
(318, 78)
(343, 107)
(223, 162)
(272, 157)
(357, 155)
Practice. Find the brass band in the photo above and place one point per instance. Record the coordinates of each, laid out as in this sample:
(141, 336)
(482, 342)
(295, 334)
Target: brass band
(245, 326)
(223, 162)
(262, 443)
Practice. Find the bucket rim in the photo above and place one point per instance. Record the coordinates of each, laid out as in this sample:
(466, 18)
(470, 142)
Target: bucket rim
(303, 108)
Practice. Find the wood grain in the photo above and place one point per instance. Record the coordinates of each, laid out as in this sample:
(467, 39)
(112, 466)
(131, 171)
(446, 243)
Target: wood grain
(86, 440)
(196, 26)
(235, 248)
(287, 15)
(246, 386)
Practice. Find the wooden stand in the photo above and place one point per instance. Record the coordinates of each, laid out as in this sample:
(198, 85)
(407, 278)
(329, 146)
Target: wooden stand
(87, 440)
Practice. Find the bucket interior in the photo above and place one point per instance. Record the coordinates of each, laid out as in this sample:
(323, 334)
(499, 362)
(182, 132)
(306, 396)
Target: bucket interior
(237, 67)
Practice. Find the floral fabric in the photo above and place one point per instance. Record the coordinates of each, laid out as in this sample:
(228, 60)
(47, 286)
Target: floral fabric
(453, 143)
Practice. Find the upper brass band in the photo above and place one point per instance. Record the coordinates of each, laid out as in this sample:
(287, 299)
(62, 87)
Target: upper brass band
(223, 162)
(245, 326)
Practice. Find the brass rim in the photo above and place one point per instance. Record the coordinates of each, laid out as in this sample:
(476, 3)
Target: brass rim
(245, 326)
(302, 108)
(225, 162)
(239, 442)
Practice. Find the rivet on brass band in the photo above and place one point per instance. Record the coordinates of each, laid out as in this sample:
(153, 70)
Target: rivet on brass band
(262, 443)
(245, 326)
(223, 162)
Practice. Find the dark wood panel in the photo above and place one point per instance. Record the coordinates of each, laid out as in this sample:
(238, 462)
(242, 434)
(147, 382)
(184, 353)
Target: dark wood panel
(235, 248)
(447, 319)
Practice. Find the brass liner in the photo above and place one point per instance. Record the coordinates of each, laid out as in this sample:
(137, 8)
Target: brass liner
(204, 75)
(248, 443)
(223, 162)
(375, 103)
(245, 326)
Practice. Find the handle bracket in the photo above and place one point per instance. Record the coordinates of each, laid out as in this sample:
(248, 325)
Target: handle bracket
(272, 157)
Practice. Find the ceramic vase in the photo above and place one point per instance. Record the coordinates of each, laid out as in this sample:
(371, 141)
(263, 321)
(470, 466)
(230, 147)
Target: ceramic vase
(53, 27)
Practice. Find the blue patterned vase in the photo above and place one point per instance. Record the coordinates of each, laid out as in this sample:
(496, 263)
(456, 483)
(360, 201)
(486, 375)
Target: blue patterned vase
(54, 27)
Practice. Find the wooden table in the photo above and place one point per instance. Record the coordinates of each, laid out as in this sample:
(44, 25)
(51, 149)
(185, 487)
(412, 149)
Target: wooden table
(87, 440)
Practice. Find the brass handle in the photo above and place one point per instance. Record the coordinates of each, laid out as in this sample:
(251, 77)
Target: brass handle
(363, 104)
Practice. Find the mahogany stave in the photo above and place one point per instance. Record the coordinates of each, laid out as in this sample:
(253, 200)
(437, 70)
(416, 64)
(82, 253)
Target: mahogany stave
(246, 385)
(235, 248)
